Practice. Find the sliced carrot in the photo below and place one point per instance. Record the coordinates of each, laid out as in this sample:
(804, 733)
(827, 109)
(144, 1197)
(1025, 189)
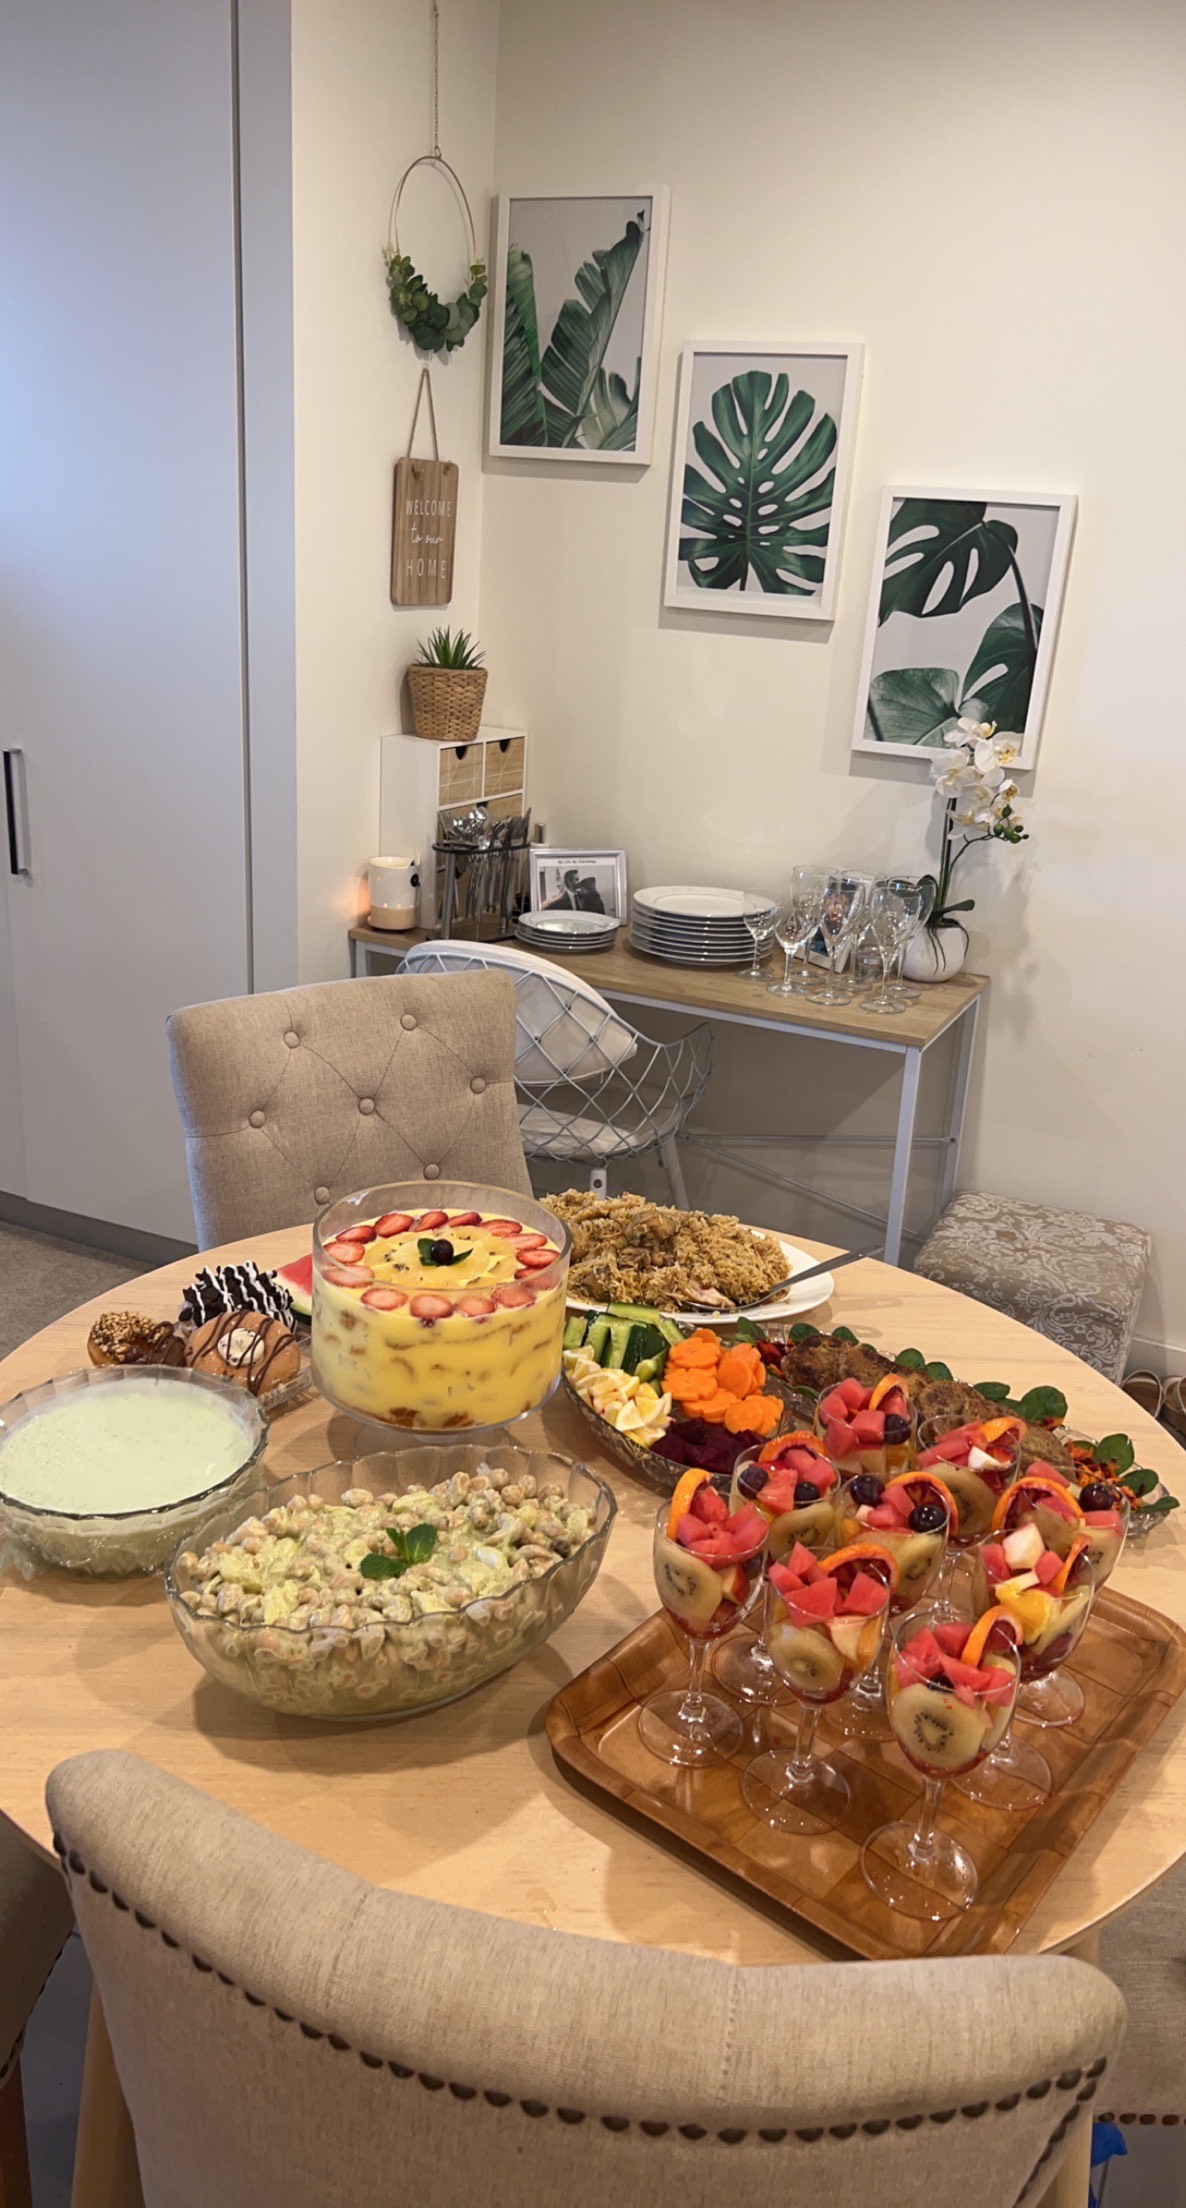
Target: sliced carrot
(714, 1406)
(698, 1349)
(753, 1414)
(741, 1371)
(681, 1499)
(770, 1410)
(689, 1387)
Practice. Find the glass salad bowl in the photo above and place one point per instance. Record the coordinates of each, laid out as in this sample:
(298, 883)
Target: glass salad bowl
(105, 1471)
(271, 1596)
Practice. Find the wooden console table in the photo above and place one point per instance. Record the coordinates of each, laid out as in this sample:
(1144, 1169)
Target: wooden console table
(731, 996)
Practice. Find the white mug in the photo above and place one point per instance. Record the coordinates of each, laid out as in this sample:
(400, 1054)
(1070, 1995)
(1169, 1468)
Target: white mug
(394, 887)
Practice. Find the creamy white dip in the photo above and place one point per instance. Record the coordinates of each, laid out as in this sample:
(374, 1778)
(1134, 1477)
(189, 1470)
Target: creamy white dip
(135, 1446)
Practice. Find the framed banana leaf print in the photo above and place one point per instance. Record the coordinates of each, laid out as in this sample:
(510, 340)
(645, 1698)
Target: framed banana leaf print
(574, 328)
(963, 616)
(763, 448)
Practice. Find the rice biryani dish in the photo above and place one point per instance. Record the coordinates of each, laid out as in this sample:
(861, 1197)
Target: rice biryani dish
(627, 1250)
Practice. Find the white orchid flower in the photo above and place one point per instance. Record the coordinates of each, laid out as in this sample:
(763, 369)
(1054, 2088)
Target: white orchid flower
(1007, 749)
(984, 753)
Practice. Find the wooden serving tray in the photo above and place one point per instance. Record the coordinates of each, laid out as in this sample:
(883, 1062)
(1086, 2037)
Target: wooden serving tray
(1130, 1663)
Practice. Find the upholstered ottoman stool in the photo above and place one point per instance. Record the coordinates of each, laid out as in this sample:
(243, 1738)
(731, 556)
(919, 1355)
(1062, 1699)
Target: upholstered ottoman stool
(1075, 1278)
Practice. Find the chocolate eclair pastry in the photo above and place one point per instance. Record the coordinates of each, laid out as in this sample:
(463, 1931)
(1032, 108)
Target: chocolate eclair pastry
(226, 1288)
(129, 1338)
(247, 1348)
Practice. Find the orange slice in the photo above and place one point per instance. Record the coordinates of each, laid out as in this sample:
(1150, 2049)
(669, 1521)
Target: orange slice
(995, 1427)
(943, 1493)
(801, 1440)
(1031, 1483)
(1078, 1548)
(982, 1632)
(856, 1552)
(887, 1382)
(681, 1500)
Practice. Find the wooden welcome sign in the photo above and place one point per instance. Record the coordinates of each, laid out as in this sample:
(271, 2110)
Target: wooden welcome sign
(425, 524)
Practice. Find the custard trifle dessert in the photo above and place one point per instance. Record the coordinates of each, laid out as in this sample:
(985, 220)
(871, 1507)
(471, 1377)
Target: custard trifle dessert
(438, 1306)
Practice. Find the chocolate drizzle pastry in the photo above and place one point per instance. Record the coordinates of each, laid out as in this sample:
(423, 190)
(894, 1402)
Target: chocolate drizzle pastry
(255, 1352)
(129, 1338)
(235, 1288)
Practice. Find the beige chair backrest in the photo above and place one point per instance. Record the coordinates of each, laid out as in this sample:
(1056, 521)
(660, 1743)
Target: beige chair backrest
(285, 2033)
(292, 1100)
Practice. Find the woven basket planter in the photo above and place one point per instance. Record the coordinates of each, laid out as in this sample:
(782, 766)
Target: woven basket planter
(446, 702)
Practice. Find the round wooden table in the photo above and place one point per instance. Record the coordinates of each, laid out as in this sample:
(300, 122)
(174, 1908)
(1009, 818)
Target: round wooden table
(465, 1804)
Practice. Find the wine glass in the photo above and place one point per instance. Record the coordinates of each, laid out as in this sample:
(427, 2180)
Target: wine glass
(841, 907)
(1016, 1776)
(977, 1464)
(911, 1515)
(944, 1733)
(906, 887)
(889, 920)
(798, 924)
(761, 919)
(706, 1589)
(824, 1626)
(792, 1483)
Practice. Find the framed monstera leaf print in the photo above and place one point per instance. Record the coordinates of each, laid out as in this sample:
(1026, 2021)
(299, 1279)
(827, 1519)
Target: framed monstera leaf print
(763, 447)
(578, 280)
(967, 591)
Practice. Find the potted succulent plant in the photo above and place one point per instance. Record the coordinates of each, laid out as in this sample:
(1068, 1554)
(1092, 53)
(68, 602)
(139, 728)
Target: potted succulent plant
(447, 685)
(978, 804)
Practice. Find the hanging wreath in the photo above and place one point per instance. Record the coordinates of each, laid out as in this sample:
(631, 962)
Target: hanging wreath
(434, 325)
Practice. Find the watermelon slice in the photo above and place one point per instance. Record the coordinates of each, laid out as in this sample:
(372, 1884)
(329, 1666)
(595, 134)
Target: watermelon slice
(298, 1279)
(951, 1637)
(817, 1601)
(866, 1597)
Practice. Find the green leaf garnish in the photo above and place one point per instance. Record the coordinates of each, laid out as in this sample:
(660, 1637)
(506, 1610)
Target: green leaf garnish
(1159, 1509)
(748, 1332)
(803, 1332)
(1115, 1453)
(843, 1334)
(996, 1391)
(911, 1360)
(413, 1547)
(937, 1370)
(1141, 1480)
(1043, 1406)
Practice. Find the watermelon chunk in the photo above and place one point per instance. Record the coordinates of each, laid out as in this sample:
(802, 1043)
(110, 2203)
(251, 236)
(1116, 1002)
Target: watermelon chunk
(298, 1279)
(951, 1635)
(817, 1601)
(866, 1597)
(709, 1506)
(1048, 1566)
(925, 1656)
(868, 1429)
(853, 1394)
(880, 1518)
(802, 1562)
(837, 1438)
(996, 1563)
(784, 1579)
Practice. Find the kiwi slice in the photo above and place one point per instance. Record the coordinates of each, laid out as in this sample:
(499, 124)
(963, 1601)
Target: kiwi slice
(686, 1584)
(1067, 1612)
(805, 1659)
(917, 1558)
(814, 1526)
(973, 1499)
(936, 1729)
(1057, 1533)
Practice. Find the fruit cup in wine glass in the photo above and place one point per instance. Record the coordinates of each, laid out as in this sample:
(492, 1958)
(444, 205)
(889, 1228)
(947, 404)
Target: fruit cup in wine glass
(950, 1693)
(976, 1462)
(708, 1568)
(792, 1483)
(825, 1619)
(911, 1515)
(1048, 1594)
(761, 917)
(1098, 1510)
(867, 1428)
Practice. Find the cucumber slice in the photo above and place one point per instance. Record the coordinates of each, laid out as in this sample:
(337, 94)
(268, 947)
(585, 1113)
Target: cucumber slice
(645, 1343)
(613, 1354)
(598, 1335)
(574, 1331)
(643, 1314)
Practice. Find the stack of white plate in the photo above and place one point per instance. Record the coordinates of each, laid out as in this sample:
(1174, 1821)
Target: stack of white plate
(690, 926)
(567, 931)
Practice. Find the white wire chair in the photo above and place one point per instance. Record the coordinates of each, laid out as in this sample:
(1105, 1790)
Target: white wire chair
(591, 1087)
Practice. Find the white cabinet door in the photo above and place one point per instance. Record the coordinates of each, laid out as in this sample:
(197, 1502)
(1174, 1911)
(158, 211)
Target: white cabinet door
(121, 663)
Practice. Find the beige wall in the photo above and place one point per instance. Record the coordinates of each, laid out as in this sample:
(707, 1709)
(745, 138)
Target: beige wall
(361, 111)
(992, 199)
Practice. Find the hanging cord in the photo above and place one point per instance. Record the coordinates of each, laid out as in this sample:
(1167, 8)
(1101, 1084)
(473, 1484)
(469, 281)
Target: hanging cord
(425, 384)
(436, 80)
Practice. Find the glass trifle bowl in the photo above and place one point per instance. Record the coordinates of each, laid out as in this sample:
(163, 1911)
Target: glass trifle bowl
(438, 1306)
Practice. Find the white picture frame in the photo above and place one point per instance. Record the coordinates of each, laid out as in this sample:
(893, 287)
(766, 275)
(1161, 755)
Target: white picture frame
(975, 649)
(558, 233)
(550, 892)
(828, 376)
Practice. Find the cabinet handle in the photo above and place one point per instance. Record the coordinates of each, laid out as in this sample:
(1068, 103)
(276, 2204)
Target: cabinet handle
(16, 813)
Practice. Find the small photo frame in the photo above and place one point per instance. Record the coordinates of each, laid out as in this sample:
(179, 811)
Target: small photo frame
(578, 881)
(764, 438)
(963, 617)
(578, 280)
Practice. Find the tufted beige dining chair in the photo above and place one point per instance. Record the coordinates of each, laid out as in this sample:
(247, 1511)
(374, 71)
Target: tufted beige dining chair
(35, 1924)
(293, 1099)
(286, 2033)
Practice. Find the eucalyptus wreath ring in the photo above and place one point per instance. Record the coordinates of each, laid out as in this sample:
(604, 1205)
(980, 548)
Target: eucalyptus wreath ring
(434, 325)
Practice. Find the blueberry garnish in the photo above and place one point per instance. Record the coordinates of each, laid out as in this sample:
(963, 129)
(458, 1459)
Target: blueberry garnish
(866, 1488)
(897, 1428)
(806, 1493)
(928, 1518)
(752, 1480)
